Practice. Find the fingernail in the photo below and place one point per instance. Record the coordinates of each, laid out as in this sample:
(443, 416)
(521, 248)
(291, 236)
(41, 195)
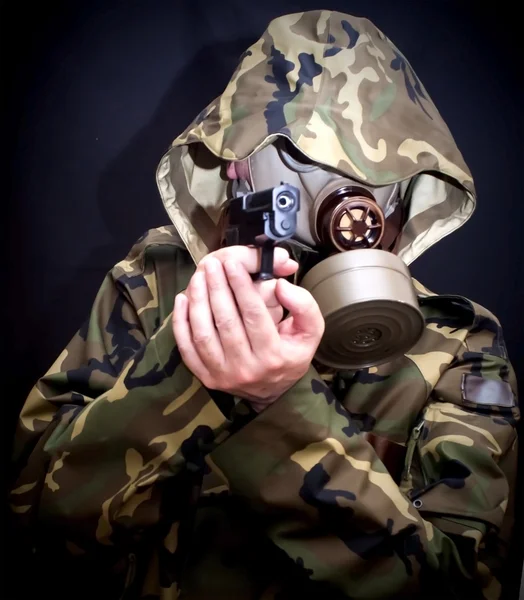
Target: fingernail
(211, 265)
(179, 299)
(197, 283)
(231, 267)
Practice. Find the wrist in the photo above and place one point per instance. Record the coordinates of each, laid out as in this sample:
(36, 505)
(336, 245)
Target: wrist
(265, 398)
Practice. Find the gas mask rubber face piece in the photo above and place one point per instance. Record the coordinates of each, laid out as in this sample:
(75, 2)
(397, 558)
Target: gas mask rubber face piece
(364, 292)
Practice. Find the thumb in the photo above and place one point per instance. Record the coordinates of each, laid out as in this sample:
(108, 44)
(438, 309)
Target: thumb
(302, 307)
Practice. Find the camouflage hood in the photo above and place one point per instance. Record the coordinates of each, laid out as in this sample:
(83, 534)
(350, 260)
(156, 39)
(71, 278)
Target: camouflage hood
(344, 94)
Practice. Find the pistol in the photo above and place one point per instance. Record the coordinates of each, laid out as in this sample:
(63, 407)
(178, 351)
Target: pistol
(263, 219)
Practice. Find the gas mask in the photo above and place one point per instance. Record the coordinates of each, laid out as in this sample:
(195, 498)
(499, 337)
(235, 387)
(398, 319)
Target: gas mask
(364, 290)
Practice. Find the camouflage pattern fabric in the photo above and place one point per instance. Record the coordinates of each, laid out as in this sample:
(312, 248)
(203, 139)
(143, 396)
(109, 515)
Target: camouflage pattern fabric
(128, 460)
(345, 95)
(134, 481)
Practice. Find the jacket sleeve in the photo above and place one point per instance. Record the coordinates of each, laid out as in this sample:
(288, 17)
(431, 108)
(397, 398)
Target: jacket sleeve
(105, 432)
(331, 505)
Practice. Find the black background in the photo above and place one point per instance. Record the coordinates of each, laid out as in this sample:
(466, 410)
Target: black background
(93, 92)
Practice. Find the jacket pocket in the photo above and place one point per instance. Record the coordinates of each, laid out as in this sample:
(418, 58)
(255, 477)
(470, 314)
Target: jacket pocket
(452, 465)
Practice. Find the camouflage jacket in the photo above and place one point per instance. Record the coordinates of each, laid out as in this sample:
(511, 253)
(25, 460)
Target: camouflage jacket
(388, 482)
(133, 481)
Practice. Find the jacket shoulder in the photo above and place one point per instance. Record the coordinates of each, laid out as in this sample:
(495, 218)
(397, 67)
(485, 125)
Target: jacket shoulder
(458, 312)
(458, 331)
(156, 268)
(146, 247)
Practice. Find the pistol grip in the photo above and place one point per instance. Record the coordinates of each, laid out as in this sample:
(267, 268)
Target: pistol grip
(266, 262)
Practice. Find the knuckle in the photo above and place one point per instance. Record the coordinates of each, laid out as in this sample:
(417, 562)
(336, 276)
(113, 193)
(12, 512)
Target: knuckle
(226, 322)
(307, 304)
(202, 263)
(208, 381)
(218, 254)
(231, 253)
(215, 282)
(252, 313)
(201, 338)
(223, 253)
(306, 300)
(196, 293)
(246, 376)
(273, 363)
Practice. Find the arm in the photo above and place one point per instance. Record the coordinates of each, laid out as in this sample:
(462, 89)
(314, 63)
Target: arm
(110, 441)
(101, 435)
(332, 506)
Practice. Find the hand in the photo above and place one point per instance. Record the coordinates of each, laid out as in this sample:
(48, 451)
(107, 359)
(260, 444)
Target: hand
(227, 338)
(283, 266)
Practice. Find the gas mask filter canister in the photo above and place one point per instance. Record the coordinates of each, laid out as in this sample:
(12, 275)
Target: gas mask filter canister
(364, 292)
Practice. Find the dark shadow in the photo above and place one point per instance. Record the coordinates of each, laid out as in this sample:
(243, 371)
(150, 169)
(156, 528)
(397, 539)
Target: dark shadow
(128, 197)
(130, 204)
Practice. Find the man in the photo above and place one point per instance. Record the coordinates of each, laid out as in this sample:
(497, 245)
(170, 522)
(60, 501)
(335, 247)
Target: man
(214, 449)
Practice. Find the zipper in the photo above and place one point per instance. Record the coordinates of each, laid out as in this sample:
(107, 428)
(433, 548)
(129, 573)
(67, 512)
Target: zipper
(412, 444)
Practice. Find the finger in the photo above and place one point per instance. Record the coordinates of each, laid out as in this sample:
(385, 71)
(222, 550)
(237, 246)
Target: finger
(259, 326)
(303, 309)
(204, 335)
(266, 289)
(285, 268)
(276, 314)
(227, 319)
(249, 257)
(183, 338)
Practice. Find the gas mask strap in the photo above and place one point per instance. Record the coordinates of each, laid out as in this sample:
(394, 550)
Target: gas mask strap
(393, 229)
